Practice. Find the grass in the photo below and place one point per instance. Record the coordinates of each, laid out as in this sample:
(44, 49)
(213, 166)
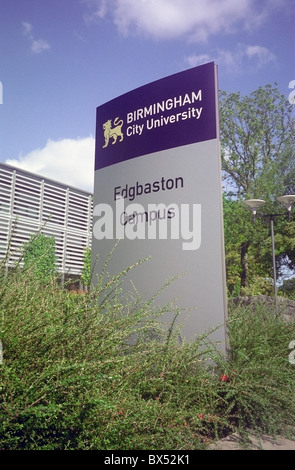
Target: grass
(71, 379)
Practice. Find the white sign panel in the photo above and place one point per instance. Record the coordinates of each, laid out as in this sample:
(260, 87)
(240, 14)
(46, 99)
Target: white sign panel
(158, 190)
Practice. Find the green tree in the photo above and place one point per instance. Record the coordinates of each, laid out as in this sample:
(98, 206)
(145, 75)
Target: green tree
(288, 288)
(86, 270)
(257, 136)
(258, 161)
(247, 250)
(40, 258)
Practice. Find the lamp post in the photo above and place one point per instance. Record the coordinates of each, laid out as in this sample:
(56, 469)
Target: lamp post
(253, 205)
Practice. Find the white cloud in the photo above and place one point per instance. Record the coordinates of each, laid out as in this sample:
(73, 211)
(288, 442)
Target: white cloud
(236, 60)
(97, 9)
(37, 45)
(69, 161)
(27, 28)
(194, 19)
(263, 55)
(194, 60)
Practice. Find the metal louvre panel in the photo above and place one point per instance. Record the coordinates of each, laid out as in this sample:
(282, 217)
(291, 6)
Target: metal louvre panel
(30, 204)
(4, 227)
(5, 191)
(74, 255)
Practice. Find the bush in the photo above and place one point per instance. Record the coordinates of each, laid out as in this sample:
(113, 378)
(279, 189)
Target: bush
(261, 392)
(96, 371)
(86, 270)
(39, 257)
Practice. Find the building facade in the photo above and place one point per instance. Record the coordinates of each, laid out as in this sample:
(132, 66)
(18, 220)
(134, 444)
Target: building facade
(30, 204)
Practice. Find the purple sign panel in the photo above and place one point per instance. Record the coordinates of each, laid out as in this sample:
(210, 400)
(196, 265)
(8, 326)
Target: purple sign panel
(169, 113)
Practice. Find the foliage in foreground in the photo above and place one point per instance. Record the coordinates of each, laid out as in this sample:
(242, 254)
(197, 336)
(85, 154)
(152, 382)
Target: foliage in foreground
(39, 256)
(71, 377)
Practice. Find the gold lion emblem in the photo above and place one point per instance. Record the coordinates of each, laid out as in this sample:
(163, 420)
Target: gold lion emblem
(112, 132)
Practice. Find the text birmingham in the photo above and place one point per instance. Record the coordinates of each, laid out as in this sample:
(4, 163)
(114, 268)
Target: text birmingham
(162, 106)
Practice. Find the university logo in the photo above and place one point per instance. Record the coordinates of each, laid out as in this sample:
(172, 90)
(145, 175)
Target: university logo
(112, 132)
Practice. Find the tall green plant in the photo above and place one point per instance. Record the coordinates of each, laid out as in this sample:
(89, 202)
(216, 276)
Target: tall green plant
(86, 270)
(39, 257)
(257, 140)
(257, 134)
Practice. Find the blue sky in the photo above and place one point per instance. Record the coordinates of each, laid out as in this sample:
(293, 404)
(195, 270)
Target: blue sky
(60, 59)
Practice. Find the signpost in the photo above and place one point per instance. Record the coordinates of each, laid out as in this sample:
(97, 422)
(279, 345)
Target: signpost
(158, 189)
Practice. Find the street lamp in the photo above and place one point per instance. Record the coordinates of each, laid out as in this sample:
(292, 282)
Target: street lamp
(253, 205)
(287, 200)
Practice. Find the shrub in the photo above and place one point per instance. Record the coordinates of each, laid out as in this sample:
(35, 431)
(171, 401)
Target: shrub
(261, 391)
(39, 257)
(86, 270)
(99, 371)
